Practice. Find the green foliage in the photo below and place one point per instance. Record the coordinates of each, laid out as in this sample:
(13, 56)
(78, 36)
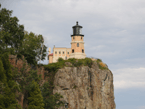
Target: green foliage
(35, 98)
(79, 62)
(99, 60)
(25, 78)
(2, 73)
(51, 101)
(11, 33)
(33, 48)
(8, 86)
(72, 60)
(53, 67)
(60, 59)
(88, 62)
(15, 41)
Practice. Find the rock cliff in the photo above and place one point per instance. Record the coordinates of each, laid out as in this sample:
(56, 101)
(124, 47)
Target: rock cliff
(85, 88)
(82, 87)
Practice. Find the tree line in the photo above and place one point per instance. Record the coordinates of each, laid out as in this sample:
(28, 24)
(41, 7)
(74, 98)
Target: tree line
(14, 40)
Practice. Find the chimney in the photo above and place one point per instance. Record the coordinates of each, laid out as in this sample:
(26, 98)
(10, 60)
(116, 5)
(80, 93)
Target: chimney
(49, 51)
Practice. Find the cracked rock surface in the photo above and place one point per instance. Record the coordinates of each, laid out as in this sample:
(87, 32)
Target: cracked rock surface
(85, 88)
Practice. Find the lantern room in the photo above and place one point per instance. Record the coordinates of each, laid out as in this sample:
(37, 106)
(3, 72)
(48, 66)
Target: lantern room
(77, 30)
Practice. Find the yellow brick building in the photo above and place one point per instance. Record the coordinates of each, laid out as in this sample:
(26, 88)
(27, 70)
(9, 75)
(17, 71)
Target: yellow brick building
(77, 47)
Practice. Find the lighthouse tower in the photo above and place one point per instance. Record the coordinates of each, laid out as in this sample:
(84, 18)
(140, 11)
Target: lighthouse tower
(77, 43)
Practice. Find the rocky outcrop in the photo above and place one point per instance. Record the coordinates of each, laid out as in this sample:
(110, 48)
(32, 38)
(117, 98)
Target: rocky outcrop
(85, 88)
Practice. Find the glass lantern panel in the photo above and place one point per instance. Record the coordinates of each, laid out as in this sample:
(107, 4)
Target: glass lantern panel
(80, 31)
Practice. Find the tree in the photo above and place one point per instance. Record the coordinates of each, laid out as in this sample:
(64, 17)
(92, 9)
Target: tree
(51, 101)
(25, 78)
(11, 33)
(33, 48)
(35, 99)
(14, 40)
(8, 86)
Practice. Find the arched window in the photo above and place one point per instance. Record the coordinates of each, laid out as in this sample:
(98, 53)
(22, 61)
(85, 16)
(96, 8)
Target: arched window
(82, 50)
(59, 52)
(77, 44)
(55, 52)
(73, 37)
(72, 50)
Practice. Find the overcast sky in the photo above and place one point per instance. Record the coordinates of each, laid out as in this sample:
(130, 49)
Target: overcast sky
(114, 31)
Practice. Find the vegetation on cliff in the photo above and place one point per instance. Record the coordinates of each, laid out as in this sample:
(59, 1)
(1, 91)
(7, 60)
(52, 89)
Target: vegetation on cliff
(72, 62)
(35, 98)
(51, 101)
(22, 85)
(8, 85)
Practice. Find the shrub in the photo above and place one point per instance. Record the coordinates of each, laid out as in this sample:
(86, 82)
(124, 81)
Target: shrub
(60, 59)
(88, 62)
(79, 63)
(99, 60)
(102, 65)
(72, 60)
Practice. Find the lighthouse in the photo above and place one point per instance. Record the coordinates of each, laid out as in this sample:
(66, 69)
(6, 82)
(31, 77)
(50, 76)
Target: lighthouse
(77, 43)
(77, 47)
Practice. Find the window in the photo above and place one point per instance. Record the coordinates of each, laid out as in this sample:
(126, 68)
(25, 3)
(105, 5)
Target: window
(72, 50)
(63, 52)
(81, 37)
(67, 52)
(73, 37)
(59, 52)
(66, 58)
(55, 52)
(82, 50)
(77, 44)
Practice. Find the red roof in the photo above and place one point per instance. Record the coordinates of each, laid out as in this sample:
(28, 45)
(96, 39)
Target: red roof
(50, 54)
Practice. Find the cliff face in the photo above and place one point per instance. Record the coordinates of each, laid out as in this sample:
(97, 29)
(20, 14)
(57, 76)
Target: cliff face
(81, 87)
(85, 88)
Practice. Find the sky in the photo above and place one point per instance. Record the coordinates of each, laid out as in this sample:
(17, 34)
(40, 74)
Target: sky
(114, 31)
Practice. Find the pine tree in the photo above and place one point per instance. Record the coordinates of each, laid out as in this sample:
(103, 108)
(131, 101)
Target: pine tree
(8, 86)
(51, 101)
(35, 98)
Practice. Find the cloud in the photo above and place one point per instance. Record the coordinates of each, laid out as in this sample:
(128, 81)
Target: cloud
(129, 78)
(114, 29)
(141, 107)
